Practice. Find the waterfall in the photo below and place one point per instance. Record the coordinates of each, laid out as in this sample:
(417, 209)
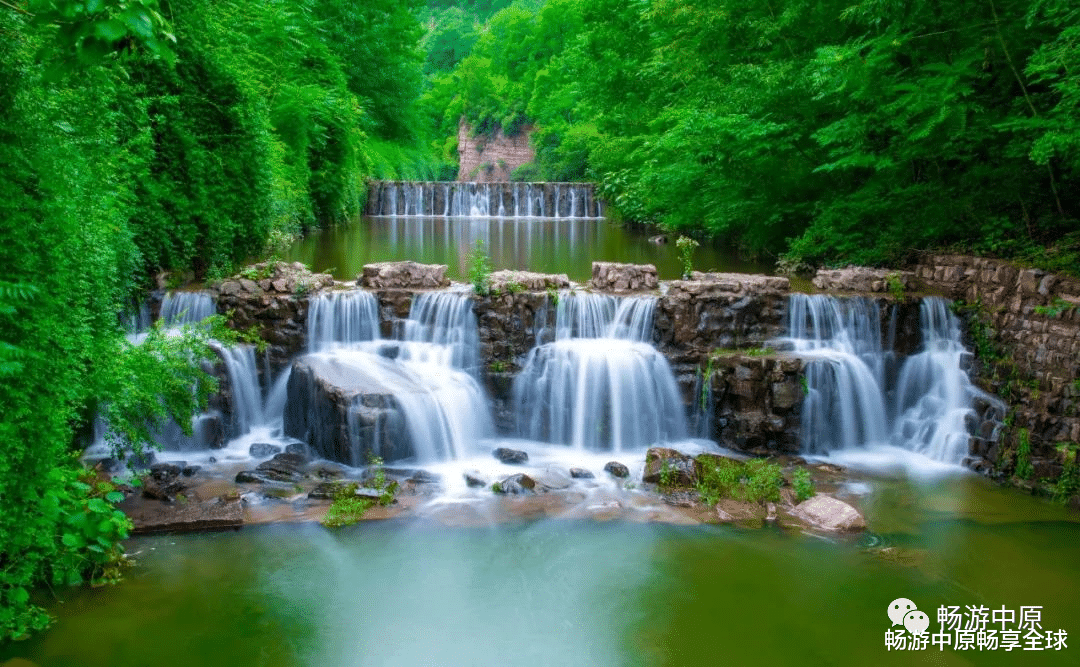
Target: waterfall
(855, 396)
(482, 200)
(446, 321)
(599, 385)
(180, 308)
(342, 317)
(411, 397)
(934, 396)
(841, 342)
(243, 381)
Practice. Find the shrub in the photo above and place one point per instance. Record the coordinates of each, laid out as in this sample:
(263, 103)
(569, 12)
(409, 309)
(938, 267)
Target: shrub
(804, 486)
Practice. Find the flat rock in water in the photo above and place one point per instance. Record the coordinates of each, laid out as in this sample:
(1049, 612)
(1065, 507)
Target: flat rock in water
(283, 467)
(617, 469)
(403, 275)
(326, 491)
(299, 448)
(828, 513)
(211, 515)
(513, 456)
(582, 473)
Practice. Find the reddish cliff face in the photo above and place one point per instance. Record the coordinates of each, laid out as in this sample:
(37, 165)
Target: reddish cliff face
(491, 159)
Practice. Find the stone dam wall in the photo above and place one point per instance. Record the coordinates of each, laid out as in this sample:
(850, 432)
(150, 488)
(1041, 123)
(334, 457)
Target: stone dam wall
(713, 329)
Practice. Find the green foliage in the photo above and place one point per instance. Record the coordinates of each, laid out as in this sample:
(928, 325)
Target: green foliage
(553, 295)
(379, 482)
(1024, 470)
(1055, 308)
(1068, 484)
(763, 481)
(90, 529)
(686, 247)
(143, 136)
(803, 485)
(896, 286)
(480, 269)
(347, 508)
(826, 133)
(755, 480)
(668, 476)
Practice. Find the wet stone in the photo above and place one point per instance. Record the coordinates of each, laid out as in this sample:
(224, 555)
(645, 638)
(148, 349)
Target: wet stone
(283, 467)
(475, 480)
(190, 471)
(510, 456)
(581, 473)
(617, 469)
(262, 450)
(249, 477)
(298, 448)
(164, 472)
(164, 491)
(518, 484)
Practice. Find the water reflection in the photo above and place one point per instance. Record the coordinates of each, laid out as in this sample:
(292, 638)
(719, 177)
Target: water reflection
(537, 244)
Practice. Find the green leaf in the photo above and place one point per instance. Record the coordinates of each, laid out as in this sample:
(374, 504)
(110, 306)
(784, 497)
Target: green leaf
(110, 31)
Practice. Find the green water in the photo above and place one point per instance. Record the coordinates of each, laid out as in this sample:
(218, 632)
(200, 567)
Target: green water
(578, 593)
(548, 246)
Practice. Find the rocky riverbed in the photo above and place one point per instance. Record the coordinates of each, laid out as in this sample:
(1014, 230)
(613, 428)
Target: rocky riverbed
(286, 485)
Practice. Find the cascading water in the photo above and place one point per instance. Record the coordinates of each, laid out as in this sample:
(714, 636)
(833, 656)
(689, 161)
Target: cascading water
(519, 200)
(934, 396)
(411, 398)
(599, 385)
(244, 391)
(855, 395)
(445, 320)
(342, 317)
(179, 308)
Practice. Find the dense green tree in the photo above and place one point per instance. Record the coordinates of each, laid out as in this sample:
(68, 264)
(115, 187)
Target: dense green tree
(829, 131)
(137, 136)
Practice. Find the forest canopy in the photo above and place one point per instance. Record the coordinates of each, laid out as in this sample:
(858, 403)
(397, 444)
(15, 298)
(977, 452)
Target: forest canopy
(824, 132)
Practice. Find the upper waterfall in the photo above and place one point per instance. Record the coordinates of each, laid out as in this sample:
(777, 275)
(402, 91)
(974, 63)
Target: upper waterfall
(479, 200)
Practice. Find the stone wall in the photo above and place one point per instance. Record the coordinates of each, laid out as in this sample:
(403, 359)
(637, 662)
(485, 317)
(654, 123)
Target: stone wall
(1035, 316)
(272, 300)
(756, 401)
(490, 160)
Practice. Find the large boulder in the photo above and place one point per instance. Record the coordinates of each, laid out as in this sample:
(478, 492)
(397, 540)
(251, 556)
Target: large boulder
(614, 277)
(343, 415)
(403, 275)
(669, 467)
(829, 514)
